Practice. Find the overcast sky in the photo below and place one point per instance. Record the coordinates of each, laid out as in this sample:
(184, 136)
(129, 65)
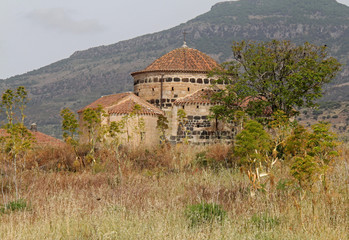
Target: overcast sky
(35, 33)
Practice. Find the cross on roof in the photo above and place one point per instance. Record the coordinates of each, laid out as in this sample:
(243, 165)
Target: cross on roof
(184, 35)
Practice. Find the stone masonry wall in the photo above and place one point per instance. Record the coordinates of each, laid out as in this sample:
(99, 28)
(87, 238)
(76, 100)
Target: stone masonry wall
(197, 128)
(175, 85)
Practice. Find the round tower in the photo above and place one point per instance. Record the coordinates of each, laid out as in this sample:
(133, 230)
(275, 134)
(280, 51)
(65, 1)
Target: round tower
(176, 74)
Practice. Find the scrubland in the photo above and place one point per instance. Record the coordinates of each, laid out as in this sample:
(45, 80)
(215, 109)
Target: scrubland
(149, 194)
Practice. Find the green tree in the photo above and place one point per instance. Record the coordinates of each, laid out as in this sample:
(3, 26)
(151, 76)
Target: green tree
(279, 73)
(70, 127)
(312, 152)
(252, 146)
(19, 138)
(93, 122)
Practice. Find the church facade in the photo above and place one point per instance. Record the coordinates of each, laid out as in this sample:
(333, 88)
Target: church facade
(175, 86)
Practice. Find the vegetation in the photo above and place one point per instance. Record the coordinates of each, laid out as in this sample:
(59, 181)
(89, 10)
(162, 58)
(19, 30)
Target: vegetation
(204, 213)
(278, 181)
(83, 77)
(277, 75)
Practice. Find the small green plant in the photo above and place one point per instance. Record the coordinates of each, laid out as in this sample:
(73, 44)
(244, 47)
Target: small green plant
(204, 213)
(17, 205)
(264, 221)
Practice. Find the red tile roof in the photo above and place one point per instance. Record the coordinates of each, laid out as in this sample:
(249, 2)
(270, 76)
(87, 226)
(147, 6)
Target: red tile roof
(123, 103)
(106, 101)
(202, 96)
(40, 138)
(182, 59)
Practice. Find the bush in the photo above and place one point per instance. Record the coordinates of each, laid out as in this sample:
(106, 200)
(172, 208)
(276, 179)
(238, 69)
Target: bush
(204, 213)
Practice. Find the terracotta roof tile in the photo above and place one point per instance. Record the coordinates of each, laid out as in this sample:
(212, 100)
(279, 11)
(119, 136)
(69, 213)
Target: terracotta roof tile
(106, 101)
(123, 103)
(40, 138)
(182, 59)
(202, 96)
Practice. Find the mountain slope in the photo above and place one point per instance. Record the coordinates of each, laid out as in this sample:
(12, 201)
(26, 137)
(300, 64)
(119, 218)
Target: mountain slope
(86, 75)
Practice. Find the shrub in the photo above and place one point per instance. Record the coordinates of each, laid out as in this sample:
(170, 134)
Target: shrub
(204, 213)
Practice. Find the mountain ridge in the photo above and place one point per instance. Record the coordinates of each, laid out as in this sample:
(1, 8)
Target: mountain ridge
(86, 75)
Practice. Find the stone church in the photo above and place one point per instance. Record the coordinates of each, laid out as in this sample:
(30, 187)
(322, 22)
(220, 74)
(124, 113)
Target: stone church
(176, 81)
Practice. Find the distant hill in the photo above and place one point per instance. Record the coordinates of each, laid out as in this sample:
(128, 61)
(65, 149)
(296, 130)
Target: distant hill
(86, 75)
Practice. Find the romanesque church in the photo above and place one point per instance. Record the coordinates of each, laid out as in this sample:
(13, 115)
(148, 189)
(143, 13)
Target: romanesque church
(176, 81)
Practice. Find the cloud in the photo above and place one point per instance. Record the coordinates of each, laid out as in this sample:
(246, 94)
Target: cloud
(60, 19)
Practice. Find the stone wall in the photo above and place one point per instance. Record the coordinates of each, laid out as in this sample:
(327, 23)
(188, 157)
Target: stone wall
(150, 136)
(174, 85)
(197, 128)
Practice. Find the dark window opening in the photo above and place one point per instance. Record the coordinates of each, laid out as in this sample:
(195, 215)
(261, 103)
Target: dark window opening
(206, 81)
(176, 80)
(156, 79)
(199, 80)
(153, 89)
(169, 80)
(192, 80)
(172, 88)
(185, 80)
(188, 89)
(183, 106)
(197, 106)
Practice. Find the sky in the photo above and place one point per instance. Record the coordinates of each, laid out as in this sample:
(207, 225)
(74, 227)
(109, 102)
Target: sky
(36, 33)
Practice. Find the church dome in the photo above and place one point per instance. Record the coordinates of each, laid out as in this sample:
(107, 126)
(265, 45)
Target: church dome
(182, 59)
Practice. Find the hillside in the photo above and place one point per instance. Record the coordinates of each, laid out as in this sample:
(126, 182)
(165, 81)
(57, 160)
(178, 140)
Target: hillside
(86, 75)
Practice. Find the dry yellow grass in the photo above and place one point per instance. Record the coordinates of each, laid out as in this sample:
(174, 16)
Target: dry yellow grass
(147, 201)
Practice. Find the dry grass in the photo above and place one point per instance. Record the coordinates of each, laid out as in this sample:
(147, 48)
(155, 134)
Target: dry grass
(143, 195)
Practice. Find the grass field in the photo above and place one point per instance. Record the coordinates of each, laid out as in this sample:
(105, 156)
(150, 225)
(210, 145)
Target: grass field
(143, 194)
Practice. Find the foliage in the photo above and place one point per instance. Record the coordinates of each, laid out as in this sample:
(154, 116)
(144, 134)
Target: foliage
(204, 213)
(252, 144)
(92, 120)
(304, 170)
(312, 153)
(19, 138)
(278, 74)
(70, 126)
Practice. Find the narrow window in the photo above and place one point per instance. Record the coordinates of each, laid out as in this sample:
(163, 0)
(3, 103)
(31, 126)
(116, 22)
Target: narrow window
(188, 89)
(172, 88)
(153, 89)
(197, 106)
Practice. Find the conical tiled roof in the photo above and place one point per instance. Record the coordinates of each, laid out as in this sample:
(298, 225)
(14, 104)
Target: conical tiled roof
(182, 59)
(123, 103)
